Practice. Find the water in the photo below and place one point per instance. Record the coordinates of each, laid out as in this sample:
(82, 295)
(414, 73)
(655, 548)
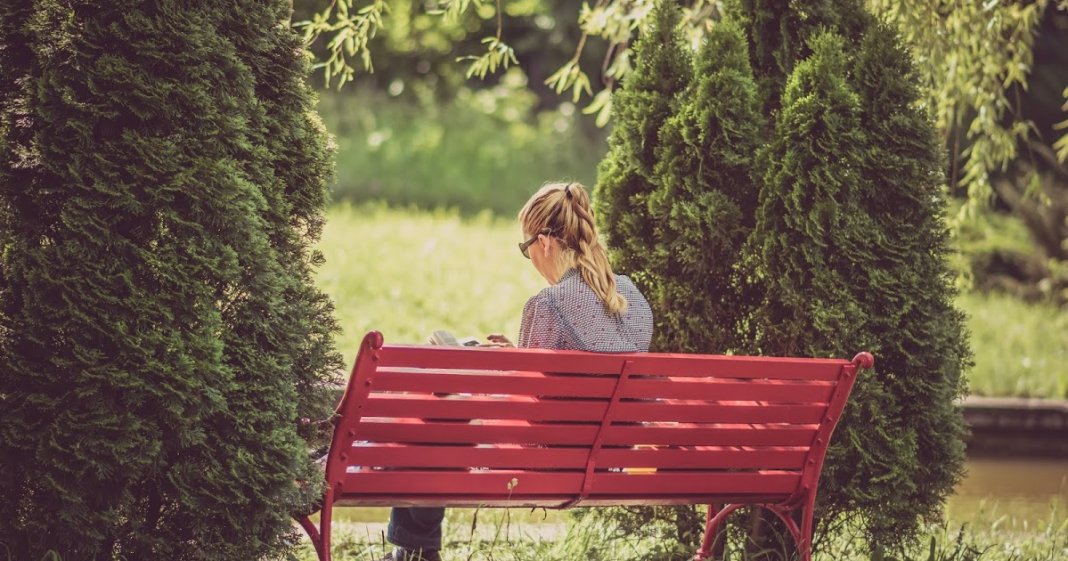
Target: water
(1019, 493)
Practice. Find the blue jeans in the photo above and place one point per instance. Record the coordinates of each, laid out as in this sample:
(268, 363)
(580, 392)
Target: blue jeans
(415, 528)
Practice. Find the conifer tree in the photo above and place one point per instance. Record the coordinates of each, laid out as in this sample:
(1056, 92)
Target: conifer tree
(704, 202)
(905, 288)
(162, 181)
(846, 245)
(626, 176)
(779, 34)
(843, 272)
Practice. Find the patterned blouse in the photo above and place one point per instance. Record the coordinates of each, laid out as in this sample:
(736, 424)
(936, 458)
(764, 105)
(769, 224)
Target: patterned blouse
(569, 316)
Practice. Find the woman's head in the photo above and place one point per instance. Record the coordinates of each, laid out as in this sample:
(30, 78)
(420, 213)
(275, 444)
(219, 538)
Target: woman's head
(558, 222)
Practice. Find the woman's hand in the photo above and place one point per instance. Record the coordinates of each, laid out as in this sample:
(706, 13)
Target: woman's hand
(497, 340)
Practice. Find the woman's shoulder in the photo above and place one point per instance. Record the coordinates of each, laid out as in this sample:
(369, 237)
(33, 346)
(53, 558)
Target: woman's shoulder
(544, 298)
(624, 283)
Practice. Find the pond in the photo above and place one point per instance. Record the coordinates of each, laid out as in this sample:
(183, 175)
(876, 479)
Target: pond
(1020, 493)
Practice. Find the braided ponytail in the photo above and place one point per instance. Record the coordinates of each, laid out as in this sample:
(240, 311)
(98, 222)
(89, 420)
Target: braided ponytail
(564, 208)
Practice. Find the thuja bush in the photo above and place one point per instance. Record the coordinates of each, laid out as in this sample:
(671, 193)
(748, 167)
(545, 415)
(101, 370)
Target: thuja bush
(162, 179)
(703, 206)
(813, 228)
(624, 184)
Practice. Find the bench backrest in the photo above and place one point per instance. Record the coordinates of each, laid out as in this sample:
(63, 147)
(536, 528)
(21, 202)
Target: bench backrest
(423, 425)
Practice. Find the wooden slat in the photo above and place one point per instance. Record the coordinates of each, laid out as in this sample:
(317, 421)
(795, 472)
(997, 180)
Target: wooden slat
(469, 457)
(689, 434)
(496, 483)
(702, 458)
(493, 382)
(520, 432)
(480, 407)
(715, 389)
(549, 501)
(703, 412)
(542, 360)
(537, 360)
(674, 483)
(468, 501)
(747, 367)
(600, 386)
(410, 482)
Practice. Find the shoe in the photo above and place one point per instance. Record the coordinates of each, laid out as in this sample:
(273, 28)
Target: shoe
(401, 554)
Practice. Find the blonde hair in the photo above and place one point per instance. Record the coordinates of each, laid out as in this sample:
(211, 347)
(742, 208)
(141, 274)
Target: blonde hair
(564, 210)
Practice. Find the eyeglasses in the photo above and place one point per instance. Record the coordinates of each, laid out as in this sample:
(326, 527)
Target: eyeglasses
(524, 247)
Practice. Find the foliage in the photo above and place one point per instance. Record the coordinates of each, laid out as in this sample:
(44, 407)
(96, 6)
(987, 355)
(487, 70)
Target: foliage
(832, 271)
(779, 35)
(479, 150)
(995, 81)
(624, 183)
(989, 47)
(349, 30)
(162, 178)
(704, 200)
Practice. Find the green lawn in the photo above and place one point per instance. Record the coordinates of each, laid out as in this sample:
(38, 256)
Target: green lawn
(407, 273)
(1020, 349)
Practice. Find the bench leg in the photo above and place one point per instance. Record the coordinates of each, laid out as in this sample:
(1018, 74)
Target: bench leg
(320, 537)
(804, 544)
(711, 530)
(313, 534)
(713, 522)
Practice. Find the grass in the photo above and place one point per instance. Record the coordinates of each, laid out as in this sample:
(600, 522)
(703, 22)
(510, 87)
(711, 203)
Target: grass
(407, 273)
(495, 538)
(1020, 349)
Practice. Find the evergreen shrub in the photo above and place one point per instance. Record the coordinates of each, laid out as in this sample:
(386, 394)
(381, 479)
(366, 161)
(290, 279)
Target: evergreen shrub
(162, 179)
(813, 228)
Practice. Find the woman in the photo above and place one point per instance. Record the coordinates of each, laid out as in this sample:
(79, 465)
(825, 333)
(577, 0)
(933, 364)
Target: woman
(586, 307)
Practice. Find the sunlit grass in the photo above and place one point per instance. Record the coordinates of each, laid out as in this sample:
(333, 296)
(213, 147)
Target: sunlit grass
(1020, 349)
(407, 274)
(494, 538)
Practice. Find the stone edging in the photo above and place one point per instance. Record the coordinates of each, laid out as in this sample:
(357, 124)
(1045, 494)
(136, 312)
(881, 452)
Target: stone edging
(1017, 426)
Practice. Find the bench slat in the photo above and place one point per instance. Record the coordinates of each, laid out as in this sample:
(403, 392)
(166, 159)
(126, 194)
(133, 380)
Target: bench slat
(417, 430)
(598, 386)
(414, 456)
(521, 432)
(702, 458)
(675, 483)
(714, 389)
(705, 412)
(692, 434)
(482, 407)
(493, 382)
(644, 364)
(468, 456)
(462, 485)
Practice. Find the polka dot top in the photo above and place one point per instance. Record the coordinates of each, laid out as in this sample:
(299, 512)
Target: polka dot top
(570, 316)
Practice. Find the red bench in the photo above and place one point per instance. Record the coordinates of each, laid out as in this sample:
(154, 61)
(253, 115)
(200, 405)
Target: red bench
(468, 427)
